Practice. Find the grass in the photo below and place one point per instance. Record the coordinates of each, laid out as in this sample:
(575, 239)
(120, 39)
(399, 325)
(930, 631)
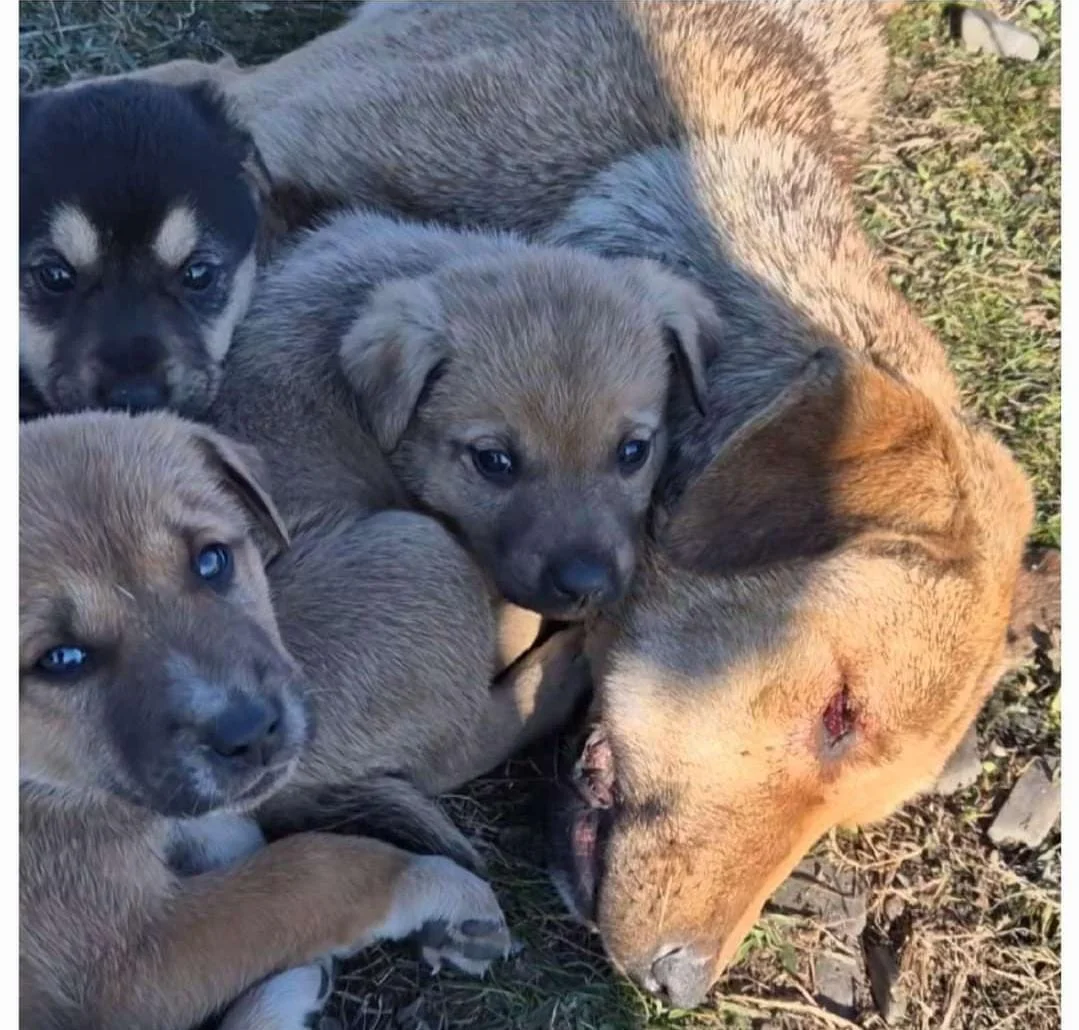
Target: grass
(962, 194)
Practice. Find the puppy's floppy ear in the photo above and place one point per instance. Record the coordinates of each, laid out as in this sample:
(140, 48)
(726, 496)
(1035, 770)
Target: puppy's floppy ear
(690, 324)
(243, 471)
(846, 450)
(392, 350)
(212, 105)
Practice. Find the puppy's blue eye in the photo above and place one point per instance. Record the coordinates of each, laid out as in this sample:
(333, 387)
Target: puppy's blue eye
(55, 276)
(213, 563)
(493, 464)
(198, 275)
(65, 660)
(632, 454)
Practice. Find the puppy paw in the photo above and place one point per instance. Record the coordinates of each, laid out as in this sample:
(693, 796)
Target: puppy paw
(471, 945)
(455, 914)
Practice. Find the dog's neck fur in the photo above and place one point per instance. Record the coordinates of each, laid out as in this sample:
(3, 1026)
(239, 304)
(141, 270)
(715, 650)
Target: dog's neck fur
(735, 215)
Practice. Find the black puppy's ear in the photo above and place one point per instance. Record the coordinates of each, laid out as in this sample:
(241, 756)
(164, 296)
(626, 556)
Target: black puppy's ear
(243, 471)
(391, 352)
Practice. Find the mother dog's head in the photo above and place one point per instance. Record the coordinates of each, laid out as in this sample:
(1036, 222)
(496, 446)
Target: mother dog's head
(826, 610)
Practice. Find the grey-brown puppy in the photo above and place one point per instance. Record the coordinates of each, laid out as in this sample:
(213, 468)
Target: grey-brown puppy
(157, 706)
(521, 393)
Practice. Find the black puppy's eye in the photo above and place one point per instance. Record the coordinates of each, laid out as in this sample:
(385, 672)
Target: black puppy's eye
(493, 464)
(632, 454)
(55, 275)
(65, 660)
(198, 275)
(213, 564)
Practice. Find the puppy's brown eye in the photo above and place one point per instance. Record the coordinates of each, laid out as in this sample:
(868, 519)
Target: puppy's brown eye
(839, 719)
(213, 564)
(498, 466)
(632, 454)
(198, 275)
(66, 661)
(55, 275)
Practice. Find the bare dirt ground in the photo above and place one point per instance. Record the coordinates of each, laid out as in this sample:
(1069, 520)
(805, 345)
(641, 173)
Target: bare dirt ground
(962, 194)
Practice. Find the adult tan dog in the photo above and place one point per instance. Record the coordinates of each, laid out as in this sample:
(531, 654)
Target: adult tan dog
(838, 546)
(157, 706)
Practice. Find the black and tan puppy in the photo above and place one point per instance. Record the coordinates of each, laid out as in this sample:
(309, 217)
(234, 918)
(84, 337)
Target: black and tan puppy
(157, 706)
(138, 209)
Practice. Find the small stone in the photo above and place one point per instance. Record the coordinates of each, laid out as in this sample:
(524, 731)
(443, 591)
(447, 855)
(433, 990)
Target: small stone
(821, 891)
(1032, 808)
(889, 997)
(983, 32)
(963, 768)
(840, 981)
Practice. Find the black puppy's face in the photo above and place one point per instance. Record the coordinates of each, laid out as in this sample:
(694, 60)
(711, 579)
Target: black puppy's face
(138, 221)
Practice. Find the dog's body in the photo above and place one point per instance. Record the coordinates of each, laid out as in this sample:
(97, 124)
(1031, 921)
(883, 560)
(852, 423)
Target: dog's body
(157, 705)
(139, 209)
(837, 549)
(671, 71)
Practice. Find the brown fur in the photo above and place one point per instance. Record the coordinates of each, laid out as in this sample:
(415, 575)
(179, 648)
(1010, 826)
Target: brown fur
(837, 549)
(126, 917)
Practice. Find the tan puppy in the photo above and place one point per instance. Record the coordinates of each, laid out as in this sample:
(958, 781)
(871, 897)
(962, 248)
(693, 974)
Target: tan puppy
(157, 704)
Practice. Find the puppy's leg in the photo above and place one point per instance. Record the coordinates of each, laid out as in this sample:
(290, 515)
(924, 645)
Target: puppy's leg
(287, 905)
(390, 808)
(531, 699)
(287, 1001)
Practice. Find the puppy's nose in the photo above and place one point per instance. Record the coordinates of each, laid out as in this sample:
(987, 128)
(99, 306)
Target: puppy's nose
(683, 975)
(135, 395)
(248, 732)
(584, 578)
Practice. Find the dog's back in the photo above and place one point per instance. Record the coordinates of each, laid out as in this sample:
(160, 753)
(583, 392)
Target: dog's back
(668, 71)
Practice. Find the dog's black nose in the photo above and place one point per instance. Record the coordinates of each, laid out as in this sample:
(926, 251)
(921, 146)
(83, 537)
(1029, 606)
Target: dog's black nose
(584, 579)
(247, 732)
(683, 975)
(136, 395)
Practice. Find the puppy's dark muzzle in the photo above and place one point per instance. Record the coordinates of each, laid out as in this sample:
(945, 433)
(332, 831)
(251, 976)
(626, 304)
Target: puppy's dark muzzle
(580, 583)
(135, 395)
(247, 735)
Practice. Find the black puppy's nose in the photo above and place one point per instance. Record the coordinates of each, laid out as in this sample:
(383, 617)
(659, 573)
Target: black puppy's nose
(683, 976)
(247, 732)
(135, 395)
(584, 578)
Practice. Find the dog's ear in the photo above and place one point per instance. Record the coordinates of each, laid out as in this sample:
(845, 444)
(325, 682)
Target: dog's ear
(210, 102)
(391, 352)
(690, 325)
(243, 471)
(847, 450)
